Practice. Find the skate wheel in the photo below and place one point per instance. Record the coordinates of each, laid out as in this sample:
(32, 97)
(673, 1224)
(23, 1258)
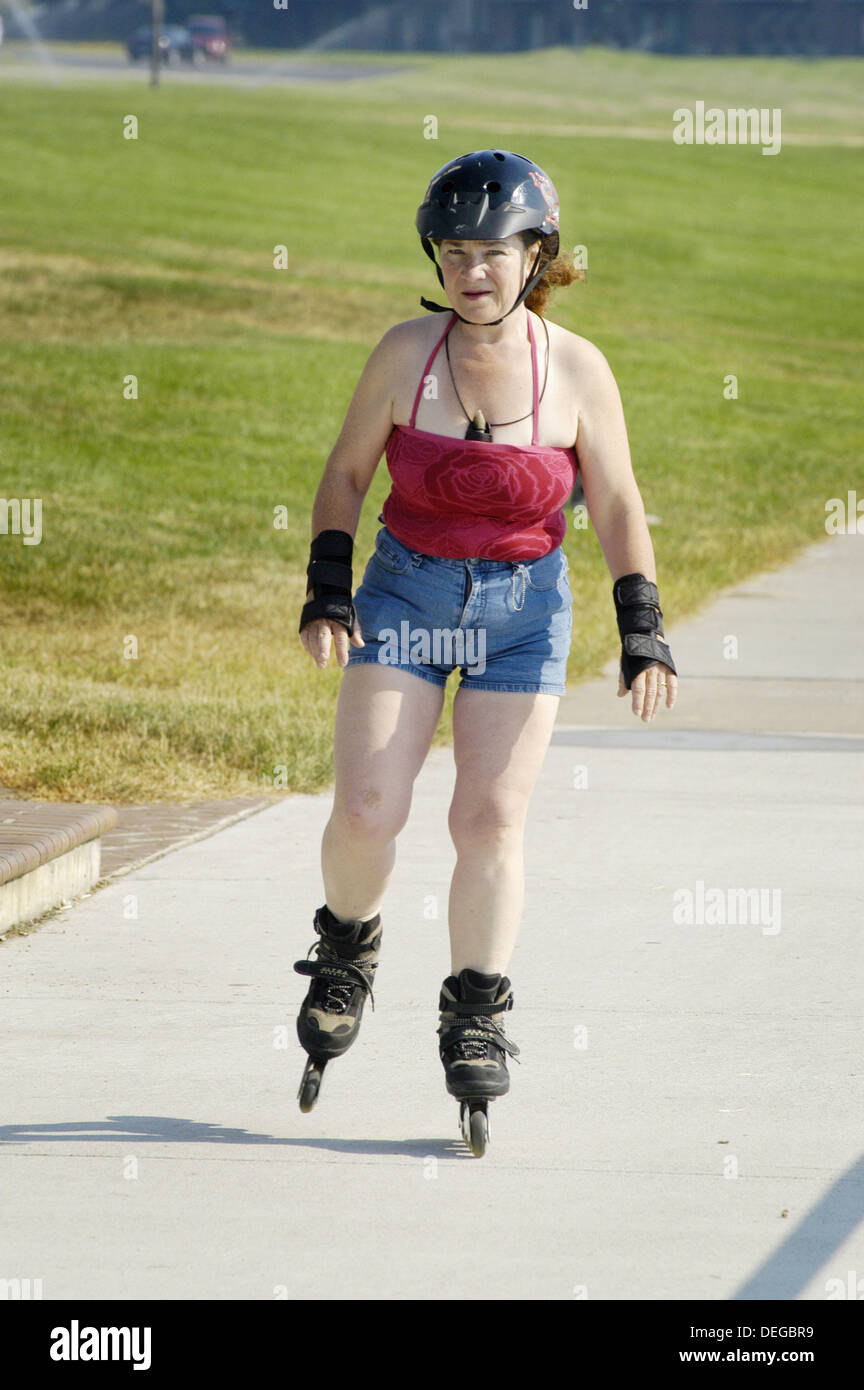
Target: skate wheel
(479, 1131)
(476, 1128)
(310, 1085)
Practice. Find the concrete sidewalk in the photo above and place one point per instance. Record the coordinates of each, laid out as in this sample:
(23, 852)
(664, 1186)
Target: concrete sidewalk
(685, 1122)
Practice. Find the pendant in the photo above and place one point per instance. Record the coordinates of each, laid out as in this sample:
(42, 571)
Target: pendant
(478, 429)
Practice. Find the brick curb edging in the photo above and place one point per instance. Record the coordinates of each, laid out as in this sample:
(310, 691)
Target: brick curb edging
(49, 852)
(53, 852)
(31, 833)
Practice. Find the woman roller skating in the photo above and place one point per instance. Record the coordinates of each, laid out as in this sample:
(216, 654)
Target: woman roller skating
(485, 413)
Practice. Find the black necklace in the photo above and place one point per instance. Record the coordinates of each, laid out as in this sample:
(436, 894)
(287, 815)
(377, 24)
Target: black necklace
(478, 428)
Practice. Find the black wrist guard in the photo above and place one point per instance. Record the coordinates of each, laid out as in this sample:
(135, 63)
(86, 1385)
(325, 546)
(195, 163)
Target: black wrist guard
(640, 623)
(329, 577)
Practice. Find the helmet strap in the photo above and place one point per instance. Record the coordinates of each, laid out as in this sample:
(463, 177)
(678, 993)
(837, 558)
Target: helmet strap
(430, 252)
(440, 308)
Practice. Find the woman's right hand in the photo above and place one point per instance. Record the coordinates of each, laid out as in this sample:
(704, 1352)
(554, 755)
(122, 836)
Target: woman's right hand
(318, 636)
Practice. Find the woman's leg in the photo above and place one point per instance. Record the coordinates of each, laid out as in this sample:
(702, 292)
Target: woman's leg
(499, 743)
(385, 722)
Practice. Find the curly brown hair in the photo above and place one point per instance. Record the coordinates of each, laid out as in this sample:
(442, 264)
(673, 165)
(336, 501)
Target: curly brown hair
(560, 272)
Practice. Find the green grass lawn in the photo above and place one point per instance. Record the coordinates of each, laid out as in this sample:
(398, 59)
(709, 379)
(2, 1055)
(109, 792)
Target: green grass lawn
(153, 258)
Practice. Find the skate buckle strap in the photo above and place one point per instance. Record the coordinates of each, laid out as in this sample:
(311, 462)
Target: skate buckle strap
(460, 1007)
(338, 946)
(343, 949)
(343, 972)
(485, 1031)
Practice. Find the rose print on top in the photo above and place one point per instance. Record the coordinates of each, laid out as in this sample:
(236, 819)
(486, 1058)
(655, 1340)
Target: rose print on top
(456, 498)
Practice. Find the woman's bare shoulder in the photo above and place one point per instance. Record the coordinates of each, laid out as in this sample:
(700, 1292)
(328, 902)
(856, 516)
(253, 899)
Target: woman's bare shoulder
(578, 353)
(397, 346)
(395, 363)
(411, 333)
(398, 358)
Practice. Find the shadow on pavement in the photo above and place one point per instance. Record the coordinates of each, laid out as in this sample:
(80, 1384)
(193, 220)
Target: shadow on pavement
(812, 1242)
(165, 1128)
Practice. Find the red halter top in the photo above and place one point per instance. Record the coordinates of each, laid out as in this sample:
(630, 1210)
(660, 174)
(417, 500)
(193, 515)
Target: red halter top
(461, 498)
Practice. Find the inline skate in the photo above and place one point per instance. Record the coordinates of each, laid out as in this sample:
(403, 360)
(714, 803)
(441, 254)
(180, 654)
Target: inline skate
(342, 975)
(474, 1048)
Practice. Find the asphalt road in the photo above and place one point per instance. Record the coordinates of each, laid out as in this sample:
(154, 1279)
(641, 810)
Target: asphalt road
(59, 64)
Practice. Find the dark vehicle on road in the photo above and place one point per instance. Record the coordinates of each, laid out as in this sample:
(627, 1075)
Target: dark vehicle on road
(174, 42)
(210, 36)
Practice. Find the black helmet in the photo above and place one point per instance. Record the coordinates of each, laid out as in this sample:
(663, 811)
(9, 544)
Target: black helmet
(486, 195)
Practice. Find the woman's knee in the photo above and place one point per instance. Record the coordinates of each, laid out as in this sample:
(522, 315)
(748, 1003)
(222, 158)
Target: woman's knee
(486, 821)
(370, 813)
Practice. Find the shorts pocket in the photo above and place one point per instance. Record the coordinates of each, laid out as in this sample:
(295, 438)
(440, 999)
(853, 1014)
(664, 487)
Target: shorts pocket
(390, 555)
(546, 572)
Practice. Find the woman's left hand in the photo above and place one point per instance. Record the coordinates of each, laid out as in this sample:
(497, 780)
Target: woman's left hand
(647, 689)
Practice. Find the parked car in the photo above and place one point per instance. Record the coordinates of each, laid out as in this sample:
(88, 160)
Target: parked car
(210, 36)
(174, 41)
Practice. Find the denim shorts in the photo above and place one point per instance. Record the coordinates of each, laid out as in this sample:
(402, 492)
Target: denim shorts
(505, 624)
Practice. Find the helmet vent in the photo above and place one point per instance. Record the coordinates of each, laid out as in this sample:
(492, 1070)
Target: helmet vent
(493, 186)
(499, 155)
